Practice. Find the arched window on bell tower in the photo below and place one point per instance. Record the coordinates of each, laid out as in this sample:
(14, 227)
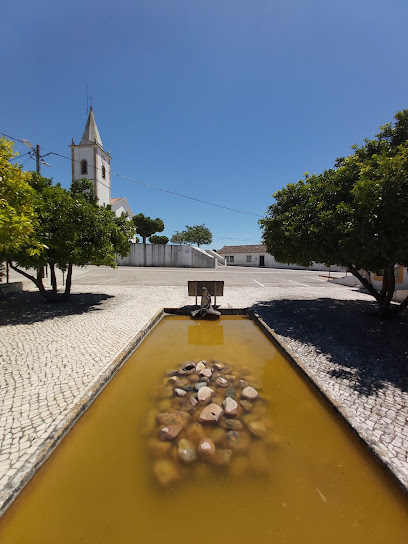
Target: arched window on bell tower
(103, 171)
(84, 167)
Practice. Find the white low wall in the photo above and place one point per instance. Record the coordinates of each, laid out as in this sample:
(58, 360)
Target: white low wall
(167, 255)
(240, 259)
(219, 259)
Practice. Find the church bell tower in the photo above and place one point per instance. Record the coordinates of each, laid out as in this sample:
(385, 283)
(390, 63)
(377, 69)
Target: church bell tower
(91, 161)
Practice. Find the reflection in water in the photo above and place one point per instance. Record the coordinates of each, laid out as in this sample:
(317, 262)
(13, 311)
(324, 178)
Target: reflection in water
(205, 333)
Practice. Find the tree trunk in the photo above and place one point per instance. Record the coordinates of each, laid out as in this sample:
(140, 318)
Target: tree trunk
(68, 282)
(53, 279)
(385, 310)
(38, 282)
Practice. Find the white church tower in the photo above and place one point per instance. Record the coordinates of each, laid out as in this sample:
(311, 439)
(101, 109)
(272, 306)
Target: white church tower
(91, 161)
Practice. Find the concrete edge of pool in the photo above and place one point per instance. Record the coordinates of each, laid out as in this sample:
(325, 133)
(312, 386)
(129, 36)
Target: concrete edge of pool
(17, 483)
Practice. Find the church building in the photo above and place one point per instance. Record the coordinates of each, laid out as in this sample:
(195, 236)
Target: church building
(91, 161)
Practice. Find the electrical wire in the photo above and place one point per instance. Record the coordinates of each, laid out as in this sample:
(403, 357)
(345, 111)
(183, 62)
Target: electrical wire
(145, 184)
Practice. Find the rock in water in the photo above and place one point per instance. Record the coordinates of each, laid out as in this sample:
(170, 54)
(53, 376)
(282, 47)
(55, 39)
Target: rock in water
(195, 433)
(205, 394)
(180, 392)
(230, 406)
(170, 432)
(249, 393)
(206, 373)
(187, 368)
(211, 413)
(246, 405)
(222, 458)
(200, 366)
(159, 449)
(165, 472)
(257, 429)
(232, 424)
(186, 451)
(237, 441)
(172, 418)
(206, 447)
(222, 382)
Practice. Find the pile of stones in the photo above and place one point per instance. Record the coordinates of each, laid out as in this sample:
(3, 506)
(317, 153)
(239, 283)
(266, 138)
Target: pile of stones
(208, 417)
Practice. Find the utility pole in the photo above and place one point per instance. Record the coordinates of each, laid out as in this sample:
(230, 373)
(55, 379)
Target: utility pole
(38, 159)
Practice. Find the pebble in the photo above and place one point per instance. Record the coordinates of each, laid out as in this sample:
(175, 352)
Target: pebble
(257, 429)
(226, 369)
(194, 378)
(231, 393)
(222, 382)
(232, 424)
(236, 440)
(249, 393)
(218, 400)
(181, 382)
(242, 384)
(206, 447)
(222, 457)
(195, 433)
(193, 401)
(206, 373)
(200, 366)
(180, 392)
(159, 449)
(187, 368)
(211, 413)
(186, 451)
(199, 385)
(205, 394)
(230, 406)
(170, 432)
(178, 417)
(246, 405)
(165, 472)
(218, 366)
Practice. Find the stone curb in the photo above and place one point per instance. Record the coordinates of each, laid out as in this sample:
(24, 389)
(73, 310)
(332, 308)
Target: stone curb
(372, 446)
(17, 483)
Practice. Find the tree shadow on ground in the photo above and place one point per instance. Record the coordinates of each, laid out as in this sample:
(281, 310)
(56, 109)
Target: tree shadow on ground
(28, 307)
(367, 352)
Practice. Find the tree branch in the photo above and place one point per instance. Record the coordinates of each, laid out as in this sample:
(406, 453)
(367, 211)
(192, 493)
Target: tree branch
(370, 288)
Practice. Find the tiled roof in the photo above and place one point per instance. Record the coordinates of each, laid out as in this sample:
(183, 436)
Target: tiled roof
(227, 250)
(114, 200)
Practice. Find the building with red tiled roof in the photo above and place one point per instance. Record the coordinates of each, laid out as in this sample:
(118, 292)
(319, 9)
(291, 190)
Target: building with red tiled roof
(257, 255)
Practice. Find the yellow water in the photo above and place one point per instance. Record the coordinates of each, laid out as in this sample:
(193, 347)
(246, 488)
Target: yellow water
(98, 487)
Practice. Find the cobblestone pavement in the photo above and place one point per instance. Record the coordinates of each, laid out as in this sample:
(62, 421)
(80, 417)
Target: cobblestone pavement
(52, 354)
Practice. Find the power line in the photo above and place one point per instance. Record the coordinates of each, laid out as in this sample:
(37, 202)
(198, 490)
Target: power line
(148, 184)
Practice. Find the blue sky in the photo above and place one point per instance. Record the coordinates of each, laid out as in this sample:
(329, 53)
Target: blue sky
(225, 101)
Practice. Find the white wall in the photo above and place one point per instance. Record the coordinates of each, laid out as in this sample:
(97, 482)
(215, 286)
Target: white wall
(167, 255)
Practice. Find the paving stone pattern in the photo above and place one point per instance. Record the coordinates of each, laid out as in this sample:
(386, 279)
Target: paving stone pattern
(50, 355)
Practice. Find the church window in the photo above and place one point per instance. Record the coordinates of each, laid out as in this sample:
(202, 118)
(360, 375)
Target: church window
(84, 167)
(103, 171)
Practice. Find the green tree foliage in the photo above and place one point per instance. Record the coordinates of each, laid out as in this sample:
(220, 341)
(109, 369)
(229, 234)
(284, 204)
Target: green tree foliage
(73, 230)
(145, 226)
(17, 216)
(198, 234)
(354, 215)
(179, 238)
(158, 240)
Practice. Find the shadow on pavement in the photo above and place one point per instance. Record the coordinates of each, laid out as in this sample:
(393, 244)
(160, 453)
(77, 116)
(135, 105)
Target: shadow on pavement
(27, 307)
(370, 352)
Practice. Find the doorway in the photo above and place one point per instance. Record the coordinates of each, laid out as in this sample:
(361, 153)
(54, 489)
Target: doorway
(262, 260)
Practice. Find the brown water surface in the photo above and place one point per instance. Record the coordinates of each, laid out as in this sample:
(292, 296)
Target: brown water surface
(98, 486)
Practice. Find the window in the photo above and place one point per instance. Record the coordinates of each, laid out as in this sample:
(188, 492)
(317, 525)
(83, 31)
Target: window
(103, 171)
(84, 167)
(249, 258)
(230, 258)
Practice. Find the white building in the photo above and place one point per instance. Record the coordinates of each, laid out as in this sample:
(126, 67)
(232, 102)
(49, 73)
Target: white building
(257, 255)
(120, 205)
